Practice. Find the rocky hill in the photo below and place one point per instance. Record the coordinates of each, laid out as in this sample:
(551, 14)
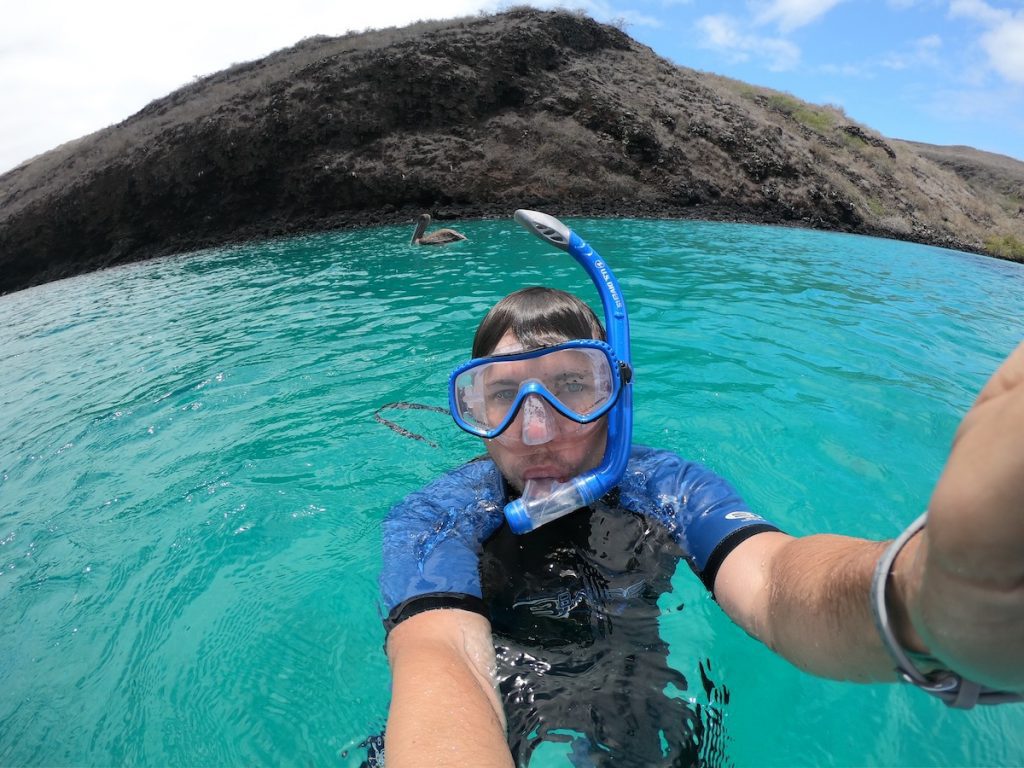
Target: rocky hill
(475, 117)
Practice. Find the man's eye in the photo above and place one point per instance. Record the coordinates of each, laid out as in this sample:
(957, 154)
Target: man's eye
(503, 395)
(572, 386)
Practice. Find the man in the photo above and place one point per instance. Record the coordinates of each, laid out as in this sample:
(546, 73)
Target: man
(453, 573)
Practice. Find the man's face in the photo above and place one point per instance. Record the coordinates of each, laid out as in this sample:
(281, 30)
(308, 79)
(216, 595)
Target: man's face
(568, 449)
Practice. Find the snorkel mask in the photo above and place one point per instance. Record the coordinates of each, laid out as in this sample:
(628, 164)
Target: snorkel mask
(580, 380)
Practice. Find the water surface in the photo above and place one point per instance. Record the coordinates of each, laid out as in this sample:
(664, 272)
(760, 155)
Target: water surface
(192, 480)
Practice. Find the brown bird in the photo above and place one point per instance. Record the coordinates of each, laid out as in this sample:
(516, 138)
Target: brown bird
(437, 237)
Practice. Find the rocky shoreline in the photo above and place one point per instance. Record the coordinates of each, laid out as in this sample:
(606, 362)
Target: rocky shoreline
(473, 118)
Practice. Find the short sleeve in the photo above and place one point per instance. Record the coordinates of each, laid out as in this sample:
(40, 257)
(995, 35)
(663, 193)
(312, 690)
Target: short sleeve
(706, 517)
(433, 539)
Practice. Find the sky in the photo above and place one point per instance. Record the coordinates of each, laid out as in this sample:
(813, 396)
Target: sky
(938, 71)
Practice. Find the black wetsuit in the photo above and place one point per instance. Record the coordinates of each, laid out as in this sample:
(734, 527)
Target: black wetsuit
(574, 605)
(574, 611)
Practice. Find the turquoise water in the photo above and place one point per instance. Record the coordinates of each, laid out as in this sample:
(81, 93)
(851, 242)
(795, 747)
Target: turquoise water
(192, 481)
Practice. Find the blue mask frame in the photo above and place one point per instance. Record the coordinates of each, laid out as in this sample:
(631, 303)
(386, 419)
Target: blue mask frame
(533, 387)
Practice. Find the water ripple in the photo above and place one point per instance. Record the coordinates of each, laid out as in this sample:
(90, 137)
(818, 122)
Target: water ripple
(191, 479)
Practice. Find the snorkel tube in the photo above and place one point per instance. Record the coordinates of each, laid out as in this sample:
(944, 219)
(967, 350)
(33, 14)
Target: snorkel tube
(546, 500)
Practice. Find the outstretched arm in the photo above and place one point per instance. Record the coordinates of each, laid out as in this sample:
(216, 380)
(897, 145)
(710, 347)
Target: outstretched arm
(444, 706)
(957, 589)
(808, 599)
(445, 709)
(966, 589)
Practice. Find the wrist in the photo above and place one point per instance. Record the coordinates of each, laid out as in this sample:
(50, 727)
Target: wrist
(902, 588)
(952, 688)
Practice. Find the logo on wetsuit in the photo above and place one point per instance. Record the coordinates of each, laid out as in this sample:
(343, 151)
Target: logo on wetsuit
(742, 516)
(559, 606)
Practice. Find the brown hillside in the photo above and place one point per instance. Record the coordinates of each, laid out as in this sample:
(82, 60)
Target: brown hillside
(475, 117)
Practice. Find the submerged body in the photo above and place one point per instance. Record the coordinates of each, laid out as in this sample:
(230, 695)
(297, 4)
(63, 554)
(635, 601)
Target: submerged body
(574, 612)
(573, 605)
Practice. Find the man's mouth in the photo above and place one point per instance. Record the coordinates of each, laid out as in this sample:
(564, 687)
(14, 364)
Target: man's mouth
(544, 471)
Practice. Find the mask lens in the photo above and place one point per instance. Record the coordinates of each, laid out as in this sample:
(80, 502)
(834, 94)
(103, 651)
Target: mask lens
(579, 379)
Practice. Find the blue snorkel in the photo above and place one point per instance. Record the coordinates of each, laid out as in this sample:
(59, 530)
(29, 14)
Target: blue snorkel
(545, 501)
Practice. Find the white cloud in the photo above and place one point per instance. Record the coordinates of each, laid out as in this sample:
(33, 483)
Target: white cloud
(978, 10)
(721, 31)
(923, 52)
(601, 10)
(793, 14)
(726, 35)
(67, 69)
(1003, 42)
(1005, 48)
(739, 40)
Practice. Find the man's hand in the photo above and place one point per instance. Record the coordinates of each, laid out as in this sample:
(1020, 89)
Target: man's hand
(445, 710)
(964, 589)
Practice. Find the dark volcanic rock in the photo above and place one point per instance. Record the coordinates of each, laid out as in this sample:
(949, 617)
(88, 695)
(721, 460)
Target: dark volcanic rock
(468, 118)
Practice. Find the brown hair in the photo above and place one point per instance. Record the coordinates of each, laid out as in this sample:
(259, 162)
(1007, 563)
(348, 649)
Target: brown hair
(537, 317)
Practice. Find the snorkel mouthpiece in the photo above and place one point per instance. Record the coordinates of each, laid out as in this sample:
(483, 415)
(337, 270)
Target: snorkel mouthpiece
(544, 500)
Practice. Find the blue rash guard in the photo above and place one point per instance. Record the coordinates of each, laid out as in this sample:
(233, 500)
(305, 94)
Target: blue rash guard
(573, 604)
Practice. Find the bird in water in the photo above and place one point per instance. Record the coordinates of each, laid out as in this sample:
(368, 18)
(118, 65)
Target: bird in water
(437, 237)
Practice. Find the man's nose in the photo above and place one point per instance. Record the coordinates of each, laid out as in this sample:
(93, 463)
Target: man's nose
(538, 421)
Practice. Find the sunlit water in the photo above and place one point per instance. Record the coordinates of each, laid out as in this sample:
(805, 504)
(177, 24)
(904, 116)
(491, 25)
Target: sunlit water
(192, 480)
